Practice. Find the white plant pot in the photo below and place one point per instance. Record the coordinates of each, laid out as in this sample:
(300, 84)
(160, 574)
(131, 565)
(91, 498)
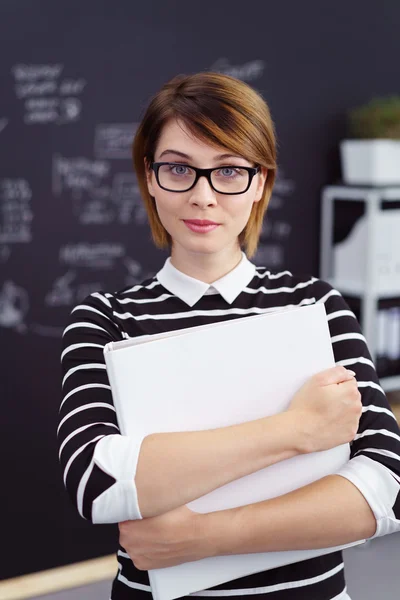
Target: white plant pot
(370, 162)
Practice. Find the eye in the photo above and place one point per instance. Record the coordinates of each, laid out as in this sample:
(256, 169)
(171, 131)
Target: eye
(230, 172)
(179, 170)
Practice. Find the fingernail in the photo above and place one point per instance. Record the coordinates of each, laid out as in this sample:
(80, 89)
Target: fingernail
(351, 372)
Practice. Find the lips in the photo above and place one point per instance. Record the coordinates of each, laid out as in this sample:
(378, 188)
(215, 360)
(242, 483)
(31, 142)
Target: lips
(200, 222)
(200, 225)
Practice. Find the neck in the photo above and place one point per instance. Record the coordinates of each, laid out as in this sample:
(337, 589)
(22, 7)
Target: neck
(206, 267)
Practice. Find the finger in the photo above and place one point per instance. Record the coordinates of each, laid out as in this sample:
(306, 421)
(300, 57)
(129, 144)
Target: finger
(350, 383)
(338, 374)
(351, 388)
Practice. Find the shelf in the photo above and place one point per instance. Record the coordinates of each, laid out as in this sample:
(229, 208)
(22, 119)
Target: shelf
(370, 289)
(359, 192)
(390, 384)
(349, 288)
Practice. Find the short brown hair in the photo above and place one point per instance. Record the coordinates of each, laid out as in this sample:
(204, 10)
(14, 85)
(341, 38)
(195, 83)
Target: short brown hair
(220, 110)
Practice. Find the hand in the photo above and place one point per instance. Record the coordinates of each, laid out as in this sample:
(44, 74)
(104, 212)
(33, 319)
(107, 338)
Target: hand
(176, 537)
(328, 408)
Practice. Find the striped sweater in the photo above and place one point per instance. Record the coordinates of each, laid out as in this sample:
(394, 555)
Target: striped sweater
(99, 464)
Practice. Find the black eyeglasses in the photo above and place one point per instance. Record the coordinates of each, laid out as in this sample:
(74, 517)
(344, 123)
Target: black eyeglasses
(178, 177)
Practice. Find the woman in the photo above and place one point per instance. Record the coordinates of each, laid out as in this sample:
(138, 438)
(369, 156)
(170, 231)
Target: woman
(205, 160)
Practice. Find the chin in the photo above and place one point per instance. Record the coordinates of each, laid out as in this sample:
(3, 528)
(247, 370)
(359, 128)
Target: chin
(203, 248)
(200, 245)
(209, 249)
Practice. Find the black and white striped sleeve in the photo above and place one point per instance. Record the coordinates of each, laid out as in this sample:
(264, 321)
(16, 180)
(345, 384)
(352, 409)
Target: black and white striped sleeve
(374, 465)
(98, 463)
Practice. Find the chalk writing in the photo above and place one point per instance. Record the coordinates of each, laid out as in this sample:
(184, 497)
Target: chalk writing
(72, 87)
(247, 71)
(41, 110)
(114, 140)
(43, 93)
(65, 291)
(14, 305)
(135, 271)
(3, 124)
(94, 256)
(275, 232)
(283, 188)
(15, 211)
(282, 185)
(34, 72)
(35, 88)
(127, 198)
(61, 293)
(70, 110)
(77, 174)
(96, 209)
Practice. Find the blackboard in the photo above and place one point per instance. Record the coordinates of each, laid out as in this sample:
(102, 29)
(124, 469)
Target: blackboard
(75, 79)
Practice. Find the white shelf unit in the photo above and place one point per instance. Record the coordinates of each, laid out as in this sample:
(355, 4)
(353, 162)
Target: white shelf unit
(368, 294)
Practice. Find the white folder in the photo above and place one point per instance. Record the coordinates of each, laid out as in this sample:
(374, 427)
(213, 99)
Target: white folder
(218, 375)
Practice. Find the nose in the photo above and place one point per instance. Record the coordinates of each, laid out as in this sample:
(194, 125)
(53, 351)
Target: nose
(202, 194)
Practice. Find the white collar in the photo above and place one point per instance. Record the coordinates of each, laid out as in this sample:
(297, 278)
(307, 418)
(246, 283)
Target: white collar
(190, 290)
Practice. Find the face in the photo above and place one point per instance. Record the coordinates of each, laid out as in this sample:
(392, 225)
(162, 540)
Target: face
(178, 210)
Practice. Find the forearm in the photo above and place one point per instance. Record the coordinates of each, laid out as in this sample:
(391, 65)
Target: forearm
(176, 468)
(328, 512)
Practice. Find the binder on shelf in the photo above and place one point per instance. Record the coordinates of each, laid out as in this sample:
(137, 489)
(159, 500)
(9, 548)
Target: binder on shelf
(373, 235)
(349, 256)
(219, 375)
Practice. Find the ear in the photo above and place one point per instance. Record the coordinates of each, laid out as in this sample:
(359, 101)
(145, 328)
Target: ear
(149, 177)
(262, 178)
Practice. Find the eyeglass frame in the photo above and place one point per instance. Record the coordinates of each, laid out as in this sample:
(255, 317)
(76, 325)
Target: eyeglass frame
(252, 171)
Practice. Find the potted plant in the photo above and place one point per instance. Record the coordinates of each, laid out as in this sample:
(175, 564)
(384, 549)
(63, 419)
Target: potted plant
(372, 155)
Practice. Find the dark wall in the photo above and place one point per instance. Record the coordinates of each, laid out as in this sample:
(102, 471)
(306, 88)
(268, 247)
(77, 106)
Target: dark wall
(75, 78)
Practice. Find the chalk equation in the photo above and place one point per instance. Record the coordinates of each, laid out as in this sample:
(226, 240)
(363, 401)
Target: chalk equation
(97, 196)
(114, 140)
(15, 211)
(68, 291)
(107, 256)
(46, 97)
(72, 286)
(77, 175)
(93, 256)
(85, 268)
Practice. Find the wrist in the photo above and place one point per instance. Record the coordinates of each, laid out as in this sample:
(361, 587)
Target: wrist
(221, 531)
(298, 426)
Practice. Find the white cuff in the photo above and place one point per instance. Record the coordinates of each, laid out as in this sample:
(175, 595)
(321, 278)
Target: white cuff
(379, 488)
(117, 455)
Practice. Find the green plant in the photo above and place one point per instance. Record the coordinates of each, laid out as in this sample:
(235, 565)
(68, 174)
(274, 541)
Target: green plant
(378, 119)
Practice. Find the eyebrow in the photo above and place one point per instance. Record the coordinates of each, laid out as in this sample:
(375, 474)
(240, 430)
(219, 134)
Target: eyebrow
(187, 157)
